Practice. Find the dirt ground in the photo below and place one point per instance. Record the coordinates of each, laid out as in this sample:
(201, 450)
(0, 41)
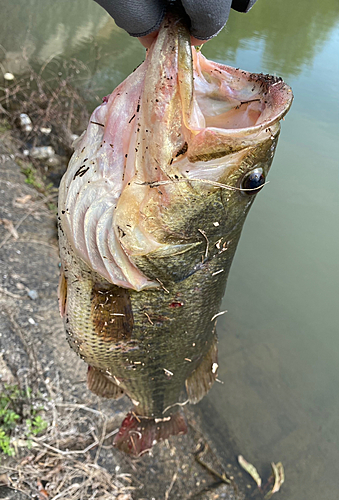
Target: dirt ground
(74, 457)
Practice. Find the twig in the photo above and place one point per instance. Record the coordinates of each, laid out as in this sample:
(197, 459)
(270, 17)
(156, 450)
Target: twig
(17, 489)
(222, 477)
(149, 319)
(44, 243)
(169, 489)
(203, 181)
(111, 434)
(71, 487)
(63, 452)
(102, 439)
(10, 294)
(70, 114)
(79, 407)
(9, 235)
(176, 404)
(207, 243)
(30, 351)
(162, 285)
(218, 314)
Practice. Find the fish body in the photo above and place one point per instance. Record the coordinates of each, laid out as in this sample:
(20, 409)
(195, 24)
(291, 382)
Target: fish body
(150, 214)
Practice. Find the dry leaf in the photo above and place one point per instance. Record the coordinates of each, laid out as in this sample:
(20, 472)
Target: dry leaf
(9, 226)
(250, 469)
(4, 480)
(26, 460)
(23, 443)
(279, 478)
(24, 199)
(43, 495)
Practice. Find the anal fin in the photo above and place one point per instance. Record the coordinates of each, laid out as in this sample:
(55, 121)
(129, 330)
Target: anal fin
(201, 380)
(101, 385)
(138, 434)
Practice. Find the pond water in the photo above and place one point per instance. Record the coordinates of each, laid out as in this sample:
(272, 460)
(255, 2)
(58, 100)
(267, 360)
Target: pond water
(278, 342)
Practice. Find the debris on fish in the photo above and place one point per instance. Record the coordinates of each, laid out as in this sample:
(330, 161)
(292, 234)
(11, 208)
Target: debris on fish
(151, 209)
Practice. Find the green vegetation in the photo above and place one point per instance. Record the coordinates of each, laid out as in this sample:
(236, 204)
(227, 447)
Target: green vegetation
(31, 177)
(17, 409)
(36, 179)
(4, 125)
(52, 207)
(36, 425)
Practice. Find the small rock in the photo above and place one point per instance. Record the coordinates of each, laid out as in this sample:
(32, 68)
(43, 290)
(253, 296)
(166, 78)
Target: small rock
(32, 294)
(31, 321)
(9, 76)
(54, 161)
(73, 137)
(22, 200)
(46, 130)
(25, 122)
(11, 494)
(42, 152)
(6, 376)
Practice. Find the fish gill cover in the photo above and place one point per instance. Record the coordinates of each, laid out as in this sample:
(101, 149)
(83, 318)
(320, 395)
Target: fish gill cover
(151, 209)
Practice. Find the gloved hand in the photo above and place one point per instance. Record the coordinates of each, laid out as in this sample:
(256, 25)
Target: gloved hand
(142, 18)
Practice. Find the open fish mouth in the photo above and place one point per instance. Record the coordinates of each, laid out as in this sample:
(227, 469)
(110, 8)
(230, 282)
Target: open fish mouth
(177, 129)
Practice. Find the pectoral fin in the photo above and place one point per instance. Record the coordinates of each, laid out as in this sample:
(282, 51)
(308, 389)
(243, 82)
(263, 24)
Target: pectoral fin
(201, 380)
(62, 293)
(101, 385)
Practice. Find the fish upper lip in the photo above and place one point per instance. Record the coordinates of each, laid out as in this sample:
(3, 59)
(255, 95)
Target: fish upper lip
(237, 87)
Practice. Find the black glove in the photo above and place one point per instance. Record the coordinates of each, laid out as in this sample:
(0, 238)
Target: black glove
(141, 17)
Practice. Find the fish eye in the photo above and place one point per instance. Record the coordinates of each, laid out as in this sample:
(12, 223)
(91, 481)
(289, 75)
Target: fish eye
(254, 181)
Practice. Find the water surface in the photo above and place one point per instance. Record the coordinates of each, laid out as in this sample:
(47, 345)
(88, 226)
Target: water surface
(279, 342)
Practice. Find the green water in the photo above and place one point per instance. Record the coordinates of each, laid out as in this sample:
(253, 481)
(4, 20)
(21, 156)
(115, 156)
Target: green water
(279, 342)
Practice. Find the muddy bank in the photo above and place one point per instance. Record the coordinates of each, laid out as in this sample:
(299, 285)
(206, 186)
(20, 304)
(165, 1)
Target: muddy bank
(73, 457)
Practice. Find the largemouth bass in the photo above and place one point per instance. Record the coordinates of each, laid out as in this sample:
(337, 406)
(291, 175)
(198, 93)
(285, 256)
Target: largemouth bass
(151, 209)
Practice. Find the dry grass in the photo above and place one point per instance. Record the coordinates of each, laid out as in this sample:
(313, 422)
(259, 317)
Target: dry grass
(63, 461)
(52, 99)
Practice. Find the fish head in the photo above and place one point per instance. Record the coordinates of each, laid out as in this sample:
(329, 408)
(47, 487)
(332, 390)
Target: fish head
(172, 159)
